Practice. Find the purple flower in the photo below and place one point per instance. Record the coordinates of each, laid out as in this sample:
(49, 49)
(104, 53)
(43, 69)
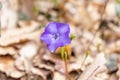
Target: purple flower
(56, 35)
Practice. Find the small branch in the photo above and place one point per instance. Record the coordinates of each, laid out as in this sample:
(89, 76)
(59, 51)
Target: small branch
(100, 21)
(93, 72)
(66, 69)
(64, 56)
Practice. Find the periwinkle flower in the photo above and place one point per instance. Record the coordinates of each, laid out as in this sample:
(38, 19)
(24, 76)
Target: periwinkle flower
(56, 35)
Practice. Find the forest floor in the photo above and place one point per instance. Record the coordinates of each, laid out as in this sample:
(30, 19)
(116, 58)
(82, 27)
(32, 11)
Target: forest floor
(96, 26)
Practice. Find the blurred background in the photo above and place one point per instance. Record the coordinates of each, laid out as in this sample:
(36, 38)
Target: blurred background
(95, 24)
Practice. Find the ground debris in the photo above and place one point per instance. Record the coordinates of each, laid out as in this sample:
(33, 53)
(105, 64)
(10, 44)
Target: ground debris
(23, 56)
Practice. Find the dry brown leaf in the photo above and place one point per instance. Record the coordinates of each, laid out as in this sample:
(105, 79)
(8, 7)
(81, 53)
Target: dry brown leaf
(5, 63)
(114, 28)
(38, 72)
(113, 77)
(59, 63)
(13, 36)
(73, 67)
(91, 69)
(118, 72)
(45, 66)
(7, 50)
(58, 76)
(27, 23)
(18, 39)
(7, 66)
(27, 28)
(47, 73)
(19, 64)
(114, 47)
(50, 57)
(14, 73)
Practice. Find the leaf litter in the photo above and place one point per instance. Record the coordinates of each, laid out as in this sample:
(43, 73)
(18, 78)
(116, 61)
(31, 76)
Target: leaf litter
(21, 50)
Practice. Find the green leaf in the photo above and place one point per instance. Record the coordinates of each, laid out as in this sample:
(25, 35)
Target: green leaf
(87, 53)
(63, 53)
(65, 56)
(72, 37)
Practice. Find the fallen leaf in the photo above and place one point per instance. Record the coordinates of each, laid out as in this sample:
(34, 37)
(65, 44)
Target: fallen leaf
(37, 71)
(19, 64)
(58, 76)
(45, 66)
(91, 69)
(15, 73)
(118, 72)
(7, 50)
(5, 63)
(59, 63)
(13, 36)
(113, 77)
(114, 46)
(7, 66)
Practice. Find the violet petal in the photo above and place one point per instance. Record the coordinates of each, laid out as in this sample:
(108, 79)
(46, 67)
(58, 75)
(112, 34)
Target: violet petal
(51, 28)
(53, 46)
(63, 28)
(46, 38)
(65, 39)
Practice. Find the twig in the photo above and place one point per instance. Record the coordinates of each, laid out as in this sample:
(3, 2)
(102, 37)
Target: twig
(66, 69)
(100, 21)
(93, 72)
(64, 56)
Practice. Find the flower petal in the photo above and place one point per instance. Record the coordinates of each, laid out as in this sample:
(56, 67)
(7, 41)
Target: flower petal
(51, 28)
(53, 40)
(54, 45)
(63, 28)
(65, 39)
(46, 38)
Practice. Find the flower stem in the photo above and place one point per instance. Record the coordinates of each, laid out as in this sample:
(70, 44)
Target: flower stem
(66, 69)
(64, 57)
